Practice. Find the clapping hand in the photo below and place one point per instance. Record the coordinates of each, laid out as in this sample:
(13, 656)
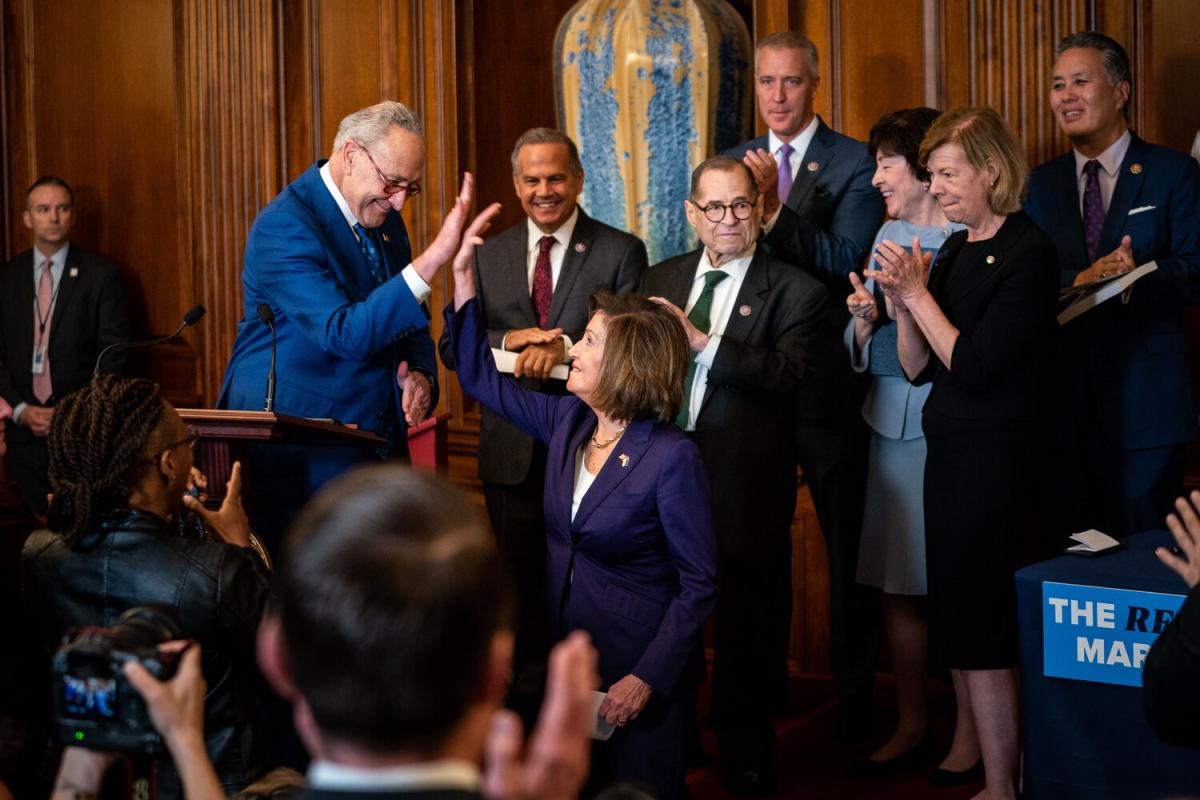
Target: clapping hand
(464, 260)
(861, 303)
(1185, 527)
(766, 177)
(901, 273)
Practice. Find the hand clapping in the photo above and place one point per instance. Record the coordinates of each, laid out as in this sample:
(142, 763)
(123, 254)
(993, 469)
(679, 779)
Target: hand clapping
(901, 274)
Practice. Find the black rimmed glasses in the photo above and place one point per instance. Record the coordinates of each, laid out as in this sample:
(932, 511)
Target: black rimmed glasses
(193, 436)
(393, 185)
(715, 212)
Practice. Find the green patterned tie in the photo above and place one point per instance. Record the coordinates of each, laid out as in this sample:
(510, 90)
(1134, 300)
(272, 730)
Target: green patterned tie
(699, 318)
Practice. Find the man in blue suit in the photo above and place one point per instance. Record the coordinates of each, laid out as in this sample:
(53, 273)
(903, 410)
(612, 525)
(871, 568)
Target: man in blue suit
(330, 256)
(1126, 409)
(821, 214)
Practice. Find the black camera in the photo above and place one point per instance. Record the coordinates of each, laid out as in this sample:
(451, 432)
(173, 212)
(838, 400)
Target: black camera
(95, 706)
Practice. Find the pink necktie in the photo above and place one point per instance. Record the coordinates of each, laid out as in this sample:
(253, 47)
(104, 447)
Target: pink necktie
(42, 387)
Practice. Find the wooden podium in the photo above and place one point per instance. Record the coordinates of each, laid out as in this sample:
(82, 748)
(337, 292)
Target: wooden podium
(226, 435)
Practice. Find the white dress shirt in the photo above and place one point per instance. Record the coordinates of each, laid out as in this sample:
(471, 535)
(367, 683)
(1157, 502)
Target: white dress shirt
(724, 295)
(447, 774)
(58, 262)
(799, 149)
(1110, 169)
(416, 284)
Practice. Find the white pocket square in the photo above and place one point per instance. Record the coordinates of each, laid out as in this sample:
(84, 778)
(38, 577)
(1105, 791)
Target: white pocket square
(1140, 209)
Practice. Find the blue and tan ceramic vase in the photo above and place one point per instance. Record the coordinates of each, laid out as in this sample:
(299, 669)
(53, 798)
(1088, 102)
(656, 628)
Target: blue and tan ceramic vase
(648, 89)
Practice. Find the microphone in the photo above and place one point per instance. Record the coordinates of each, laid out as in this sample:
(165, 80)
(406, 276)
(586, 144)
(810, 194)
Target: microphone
(268, 317)
(192, 316)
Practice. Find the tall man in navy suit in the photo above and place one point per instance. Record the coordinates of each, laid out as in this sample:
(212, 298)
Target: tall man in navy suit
(1114, 203)
(533, 278)
(330, 256)
(752, 322)
(821, 214)
(59, 307)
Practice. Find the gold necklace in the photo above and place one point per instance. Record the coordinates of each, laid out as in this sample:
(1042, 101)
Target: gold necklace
(610, 440)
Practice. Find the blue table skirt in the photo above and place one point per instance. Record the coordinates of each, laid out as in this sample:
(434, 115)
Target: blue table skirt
(1091, 740)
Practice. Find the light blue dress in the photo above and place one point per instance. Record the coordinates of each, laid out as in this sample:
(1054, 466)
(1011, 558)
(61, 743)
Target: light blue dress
(891, 553)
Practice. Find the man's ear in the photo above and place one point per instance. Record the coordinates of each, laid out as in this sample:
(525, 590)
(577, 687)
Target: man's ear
(28, 218)
(272, 657)
(499, 672)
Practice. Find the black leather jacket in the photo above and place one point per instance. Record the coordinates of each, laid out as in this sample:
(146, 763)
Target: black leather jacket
(219, 590)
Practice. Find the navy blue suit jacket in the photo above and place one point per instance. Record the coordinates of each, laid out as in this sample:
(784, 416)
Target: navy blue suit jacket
(1132, 356)
(826, 228)
(339, 336)
(636, 568)
(832, 212)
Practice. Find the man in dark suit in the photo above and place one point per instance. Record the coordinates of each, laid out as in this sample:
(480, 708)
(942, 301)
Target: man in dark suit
(753, 322)
(59, 307)
(821, 214)
(330, 258)
(532, 279)
(1116, 202)
(391, 644)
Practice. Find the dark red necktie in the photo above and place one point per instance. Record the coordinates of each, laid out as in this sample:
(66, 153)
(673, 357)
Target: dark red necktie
(543, 283)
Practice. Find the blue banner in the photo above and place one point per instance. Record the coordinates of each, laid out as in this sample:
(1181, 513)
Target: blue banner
(1094, 633)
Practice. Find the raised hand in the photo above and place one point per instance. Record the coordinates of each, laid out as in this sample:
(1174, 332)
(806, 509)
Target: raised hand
(464, 259)
(766, 177)
(861, 303)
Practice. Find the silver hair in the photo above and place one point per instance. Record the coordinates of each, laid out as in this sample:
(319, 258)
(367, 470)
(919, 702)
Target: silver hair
(372, 124)
(790, 40)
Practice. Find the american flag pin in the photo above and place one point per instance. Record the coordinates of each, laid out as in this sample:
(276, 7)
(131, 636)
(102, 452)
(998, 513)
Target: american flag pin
(624, 459)
(580, 247)
(385, 237)
(745, 311)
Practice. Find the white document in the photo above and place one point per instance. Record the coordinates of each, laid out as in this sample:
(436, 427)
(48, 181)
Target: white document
(506, 362)
(601, 730)
(1092, 541)
(1086, 297)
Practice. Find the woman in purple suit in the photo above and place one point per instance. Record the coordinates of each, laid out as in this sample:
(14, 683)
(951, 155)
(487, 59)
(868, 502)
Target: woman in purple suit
(631, 554)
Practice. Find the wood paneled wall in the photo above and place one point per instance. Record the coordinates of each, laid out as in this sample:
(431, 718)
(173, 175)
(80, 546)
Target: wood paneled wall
(176, 120)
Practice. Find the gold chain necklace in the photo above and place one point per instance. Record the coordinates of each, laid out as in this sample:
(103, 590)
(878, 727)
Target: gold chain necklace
(610, 440)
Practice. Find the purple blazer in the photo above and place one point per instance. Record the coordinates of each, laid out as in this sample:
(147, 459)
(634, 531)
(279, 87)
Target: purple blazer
(637, 568)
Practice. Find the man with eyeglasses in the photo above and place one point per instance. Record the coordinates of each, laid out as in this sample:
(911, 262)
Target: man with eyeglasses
(752, 322)
(331, 258)
(821, 214)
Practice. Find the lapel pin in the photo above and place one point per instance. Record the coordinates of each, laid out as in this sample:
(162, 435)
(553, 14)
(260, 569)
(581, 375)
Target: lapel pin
(580, 247)
(74, 273)
(813, 166)
(624, 459)
(990, 259)
(1136, 169)
(745, 311)
(385, 237)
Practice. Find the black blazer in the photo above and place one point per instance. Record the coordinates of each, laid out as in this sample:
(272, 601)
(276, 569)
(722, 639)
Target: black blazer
(1004, 312)
(89, 314)
(395, 794)
(746, 426)
(598, 257)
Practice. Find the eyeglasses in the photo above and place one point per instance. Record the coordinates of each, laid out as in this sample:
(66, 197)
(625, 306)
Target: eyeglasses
(715, 212)
(393, 185)
(193, 436)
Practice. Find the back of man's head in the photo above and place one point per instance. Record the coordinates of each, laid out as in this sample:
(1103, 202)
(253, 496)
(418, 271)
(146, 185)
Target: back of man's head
(391, 596)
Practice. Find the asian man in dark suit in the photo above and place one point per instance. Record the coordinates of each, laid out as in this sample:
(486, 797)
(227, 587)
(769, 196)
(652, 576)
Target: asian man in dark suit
(534, 277)
(821, 214)
(752, 323)
(1126, 410)
(330, 257)
(59, 307)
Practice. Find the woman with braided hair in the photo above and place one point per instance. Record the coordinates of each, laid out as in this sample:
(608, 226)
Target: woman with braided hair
(120, 467)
